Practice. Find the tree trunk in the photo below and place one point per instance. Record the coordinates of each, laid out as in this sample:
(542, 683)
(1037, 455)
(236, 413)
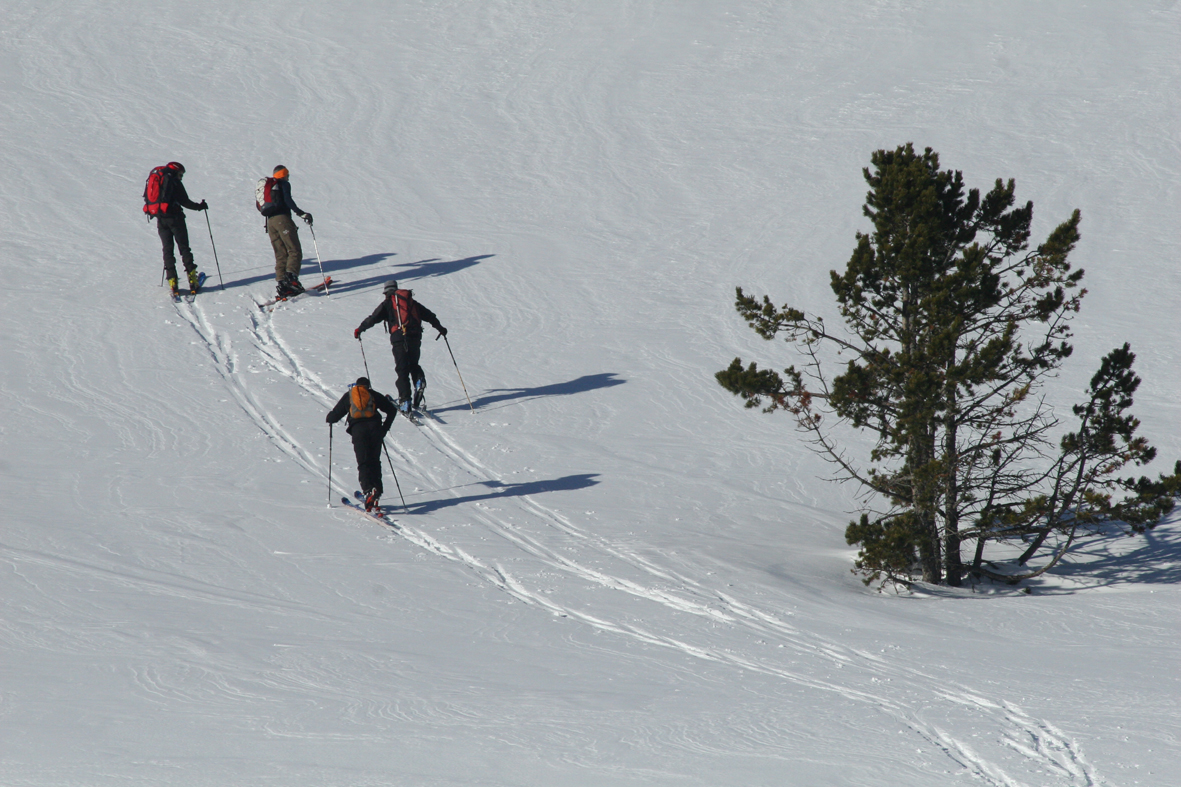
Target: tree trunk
(1034, 547)
(953, 567)
(926, 495)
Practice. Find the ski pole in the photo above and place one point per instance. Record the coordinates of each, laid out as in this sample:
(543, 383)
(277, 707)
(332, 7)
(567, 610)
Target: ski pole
(465, 393)
(214, 245)
(394, 474)
(363, 358)
(330, 465)
(162, 272)
(317, 245)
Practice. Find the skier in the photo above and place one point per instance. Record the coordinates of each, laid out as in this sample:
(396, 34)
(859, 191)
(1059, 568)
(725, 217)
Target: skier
(403, 316)
(361, 403)
(284, 237)
(171, 226)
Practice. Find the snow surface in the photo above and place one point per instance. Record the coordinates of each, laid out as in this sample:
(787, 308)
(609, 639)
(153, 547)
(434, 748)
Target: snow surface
(611, 573)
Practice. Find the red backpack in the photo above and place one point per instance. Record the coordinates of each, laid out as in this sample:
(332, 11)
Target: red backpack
(406, 317)
(159, 187)
(266, 197)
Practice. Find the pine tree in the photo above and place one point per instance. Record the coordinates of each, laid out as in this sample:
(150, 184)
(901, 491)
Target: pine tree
(953, 327)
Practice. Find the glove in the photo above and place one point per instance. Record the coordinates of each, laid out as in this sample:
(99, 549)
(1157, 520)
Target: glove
(357, 334)
(308, 218)
(203, 206)
(442, 331)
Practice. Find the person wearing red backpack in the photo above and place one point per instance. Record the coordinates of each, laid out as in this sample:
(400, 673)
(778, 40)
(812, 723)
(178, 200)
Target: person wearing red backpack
(164, 196)
(284, 235)
(403, 316)
(362, 405)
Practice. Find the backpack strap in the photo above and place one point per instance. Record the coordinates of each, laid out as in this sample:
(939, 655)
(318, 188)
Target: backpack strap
(398, 311)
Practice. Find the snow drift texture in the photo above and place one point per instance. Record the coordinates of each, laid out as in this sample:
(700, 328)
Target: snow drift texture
(611, 574)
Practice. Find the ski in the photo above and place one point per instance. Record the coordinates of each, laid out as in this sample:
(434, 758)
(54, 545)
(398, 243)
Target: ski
(381, 518)
(269, 305)
(420, 415)
(417, 407)
(191, 295)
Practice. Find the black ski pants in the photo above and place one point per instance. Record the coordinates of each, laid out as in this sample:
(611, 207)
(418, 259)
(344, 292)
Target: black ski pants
(407, 350)
(173, 229)
(367, 438)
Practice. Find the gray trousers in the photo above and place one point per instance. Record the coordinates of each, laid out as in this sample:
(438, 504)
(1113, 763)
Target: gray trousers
(284, 237)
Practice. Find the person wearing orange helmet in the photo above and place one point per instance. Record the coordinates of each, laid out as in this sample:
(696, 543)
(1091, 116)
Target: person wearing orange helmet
(284, 236)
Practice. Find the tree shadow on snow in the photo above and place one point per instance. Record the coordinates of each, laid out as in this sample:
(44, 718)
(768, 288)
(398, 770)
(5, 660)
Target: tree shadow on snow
(1107, 558)
(566, 483)
(1110, 558)
(588, 382)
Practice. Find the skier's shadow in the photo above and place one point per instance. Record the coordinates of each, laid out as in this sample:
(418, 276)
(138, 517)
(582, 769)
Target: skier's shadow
(407, 272)
(425, 269)
(334, 266)
(566, 483)
(588, 382)
(310, 271)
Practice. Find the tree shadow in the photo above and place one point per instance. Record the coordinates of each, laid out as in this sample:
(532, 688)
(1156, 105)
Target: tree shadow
(588, 382)
(564, 484)
(1107, 557)
(1113, 558)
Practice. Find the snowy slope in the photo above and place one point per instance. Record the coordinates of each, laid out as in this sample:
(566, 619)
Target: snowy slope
(611, 573)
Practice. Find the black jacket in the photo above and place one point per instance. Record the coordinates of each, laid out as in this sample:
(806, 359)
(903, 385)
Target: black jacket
(177, 198)
(380, 401)
(385, 313)
(285, 202)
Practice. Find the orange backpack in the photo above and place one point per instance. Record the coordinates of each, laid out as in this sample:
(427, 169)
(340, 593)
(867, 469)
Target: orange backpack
(361, 404)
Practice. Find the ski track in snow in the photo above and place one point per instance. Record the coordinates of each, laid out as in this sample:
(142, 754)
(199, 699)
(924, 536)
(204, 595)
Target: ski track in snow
(1043, 746)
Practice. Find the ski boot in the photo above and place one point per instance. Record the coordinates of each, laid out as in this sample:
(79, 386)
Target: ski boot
(371, 499)
(172, 285)
(293, 284)
(419, 390)
(194, 283)
(404, 406)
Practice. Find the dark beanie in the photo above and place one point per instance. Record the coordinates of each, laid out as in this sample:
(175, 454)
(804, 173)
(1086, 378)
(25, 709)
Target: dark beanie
(363, 381)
